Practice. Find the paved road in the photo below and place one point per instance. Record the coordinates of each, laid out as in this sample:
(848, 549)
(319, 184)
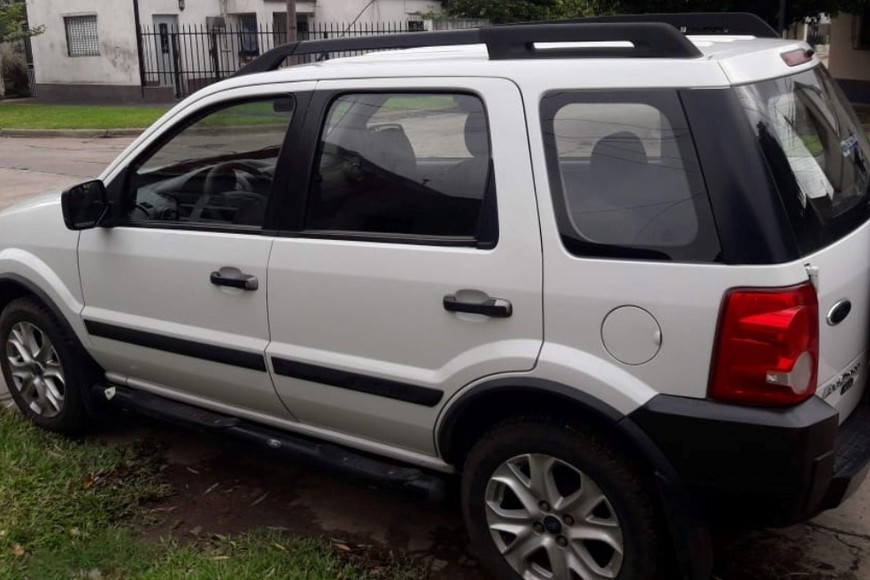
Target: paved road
(834, 545)
(32, 166)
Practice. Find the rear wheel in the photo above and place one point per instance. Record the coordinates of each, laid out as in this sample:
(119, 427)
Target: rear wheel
(546, 499)
(45, 370)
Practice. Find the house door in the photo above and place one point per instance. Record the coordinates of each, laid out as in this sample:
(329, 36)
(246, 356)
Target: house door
(166, 47)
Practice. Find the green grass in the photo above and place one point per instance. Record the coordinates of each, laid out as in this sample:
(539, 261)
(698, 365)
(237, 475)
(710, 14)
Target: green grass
(72, 509)
(40, 116)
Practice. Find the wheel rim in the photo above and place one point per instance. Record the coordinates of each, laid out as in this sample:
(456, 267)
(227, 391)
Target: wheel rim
(35, 368)
(550, 520)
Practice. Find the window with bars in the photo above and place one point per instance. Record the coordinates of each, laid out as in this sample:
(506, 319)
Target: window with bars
(82, 38)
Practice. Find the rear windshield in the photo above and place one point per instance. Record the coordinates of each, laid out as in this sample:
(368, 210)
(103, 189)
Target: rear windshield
(817, 153)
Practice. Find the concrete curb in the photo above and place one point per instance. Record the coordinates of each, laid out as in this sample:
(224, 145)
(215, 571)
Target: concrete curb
(79, 133)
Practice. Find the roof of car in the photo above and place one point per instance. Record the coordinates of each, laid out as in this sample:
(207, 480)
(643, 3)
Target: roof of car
(640, 51)
(724, 60)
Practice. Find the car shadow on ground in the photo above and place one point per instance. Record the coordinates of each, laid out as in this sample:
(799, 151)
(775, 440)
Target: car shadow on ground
(226, 487)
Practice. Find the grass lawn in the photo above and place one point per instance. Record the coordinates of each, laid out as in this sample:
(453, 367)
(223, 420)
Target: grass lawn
(73, 509)
(40, 116)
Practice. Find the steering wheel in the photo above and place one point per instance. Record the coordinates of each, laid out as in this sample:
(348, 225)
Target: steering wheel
(216, 175)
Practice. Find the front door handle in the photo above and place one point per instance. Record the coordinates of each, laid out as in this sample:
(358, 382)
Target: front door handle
(234, 278)
(493, 307)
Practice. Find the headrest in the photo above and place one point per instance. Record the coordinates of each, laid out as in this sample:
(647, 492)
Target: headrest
(476, 135)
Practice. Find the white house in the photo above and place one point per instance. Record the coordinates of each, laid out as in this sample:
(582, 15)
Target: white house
(90, 50)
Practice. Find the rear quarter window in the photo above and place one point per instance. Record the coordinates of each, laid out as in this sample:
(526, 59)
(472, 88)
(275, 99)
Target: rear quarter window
(624, 177)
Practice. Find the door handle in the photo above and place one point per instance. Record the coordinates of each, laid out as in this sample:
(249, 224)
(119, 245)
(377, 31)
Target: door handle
(234, 278)
(493, 307)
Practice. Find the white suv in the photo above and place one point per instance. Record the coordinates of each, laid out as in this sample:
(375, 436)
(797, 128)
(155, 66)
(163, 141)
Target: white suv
(616, 277)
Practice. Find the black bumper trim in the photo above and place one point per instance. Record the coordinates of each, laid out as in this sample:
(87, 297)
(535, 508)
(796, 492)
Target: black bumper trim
(765, 466)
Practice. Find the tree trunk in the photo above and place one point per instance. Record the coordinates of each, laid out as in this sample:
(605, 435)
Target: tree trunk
(2, 82)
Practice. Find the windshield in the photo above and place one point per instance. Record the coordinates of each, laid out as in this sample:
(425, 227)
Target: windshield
(817, 153)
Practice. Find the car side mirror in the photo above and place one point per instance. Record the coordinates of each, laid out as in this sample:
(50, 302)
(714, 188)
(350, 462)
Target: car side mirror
(84, 205)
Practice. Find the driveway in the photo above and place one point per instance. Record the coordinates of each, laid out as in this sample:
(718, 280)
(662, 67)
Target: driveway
(254, 489)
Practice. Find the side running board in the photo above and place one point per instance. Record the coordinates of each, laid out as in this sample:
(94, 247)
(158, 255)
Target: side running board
(333, 457)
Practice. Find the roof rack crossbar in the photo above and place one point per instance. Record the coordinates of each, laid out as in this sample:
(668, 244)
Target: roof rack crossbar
(647, 40)
(701, 23)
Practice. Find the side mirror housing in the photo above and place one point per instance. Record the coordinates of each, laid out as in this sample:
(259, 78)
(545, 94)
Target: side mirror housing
(85, 205)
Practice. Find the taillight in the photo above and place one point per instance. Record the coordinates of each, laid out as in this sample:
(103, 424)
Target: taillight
(767, 349)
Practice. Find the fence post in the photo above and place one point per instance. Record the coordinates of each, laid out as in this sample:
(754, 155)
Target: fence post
(176, 65)
(215, 57)
(138, 24)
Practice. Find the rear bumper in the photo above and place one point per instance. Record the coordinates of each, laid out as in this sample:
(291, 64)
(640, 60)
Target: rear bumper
(760, 466)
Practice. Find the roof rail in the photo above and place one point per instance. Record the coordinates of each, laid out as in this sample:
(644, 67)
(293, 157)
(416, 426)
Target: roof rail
(712, 23)
(649, 39)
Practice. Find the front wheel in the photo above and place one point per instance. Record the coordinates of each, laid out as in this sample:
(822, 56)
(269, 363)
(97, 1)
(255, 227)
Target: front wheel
(44, 369)
(546, 499)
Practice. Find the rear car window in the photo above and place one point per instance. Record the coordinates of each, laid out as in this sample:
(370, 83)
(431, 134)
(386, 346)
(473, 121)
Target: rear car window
(624, 177)
(817, 153)
(416, 166)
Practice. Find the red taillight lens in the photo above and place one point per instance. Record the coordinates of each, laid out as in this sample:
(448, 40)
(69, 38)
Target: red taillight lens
(767, 350)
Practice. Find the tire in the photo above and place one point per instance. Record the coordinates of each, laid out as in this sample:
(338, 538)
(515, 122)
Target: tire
(610, 499)
(49, 387)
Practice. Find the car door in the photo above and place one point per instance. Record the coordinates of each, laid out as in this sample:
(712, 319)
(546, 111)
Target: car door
(413, 264)
(175, 291)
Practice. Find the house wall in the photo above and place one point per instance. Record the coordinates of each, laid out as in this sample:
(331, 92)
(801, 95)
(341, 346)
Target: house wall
(849, 66)
(114, 76)
(115, 73)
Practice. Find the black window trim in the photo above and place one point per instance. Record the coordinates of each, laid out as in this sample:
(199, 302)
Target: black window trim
(667, 102)
(295, 205)
(120, 189)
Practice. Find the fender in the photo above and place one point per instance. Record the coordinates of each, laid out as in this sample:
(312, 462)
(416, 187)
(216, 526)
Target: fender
(689, 532)
(43, 296)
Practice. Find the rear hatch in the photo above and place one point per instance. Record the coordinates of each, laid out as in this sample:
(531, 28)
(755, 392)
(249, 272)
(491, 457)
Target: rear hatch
(819, 158)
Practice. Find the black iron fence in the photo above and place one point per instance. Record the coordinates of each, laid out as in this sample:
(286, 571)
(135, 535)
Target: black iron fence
(183, 59)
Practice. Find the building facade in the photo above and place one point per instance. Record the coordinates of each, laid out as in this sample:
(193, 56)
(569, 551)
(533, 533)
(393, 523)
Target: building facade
(90, 50)
(849, 56)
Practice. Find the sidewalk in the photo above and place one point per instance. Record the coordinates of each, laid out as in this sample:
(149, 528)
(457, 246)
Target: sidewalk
(71, 133)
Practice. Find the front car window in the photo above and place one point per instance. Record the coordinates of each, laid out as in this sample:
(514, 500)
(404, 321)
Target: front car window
(817, 152)
(216, 171)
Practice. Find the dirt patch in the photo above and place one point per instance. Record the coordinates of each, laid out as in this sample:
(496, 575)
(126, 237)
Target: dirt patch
(224, 487)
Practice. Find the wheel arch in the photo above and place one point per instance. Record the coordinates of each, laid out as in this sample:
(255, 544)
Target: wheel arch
(478, 409)
(14, 286)
(468, 417)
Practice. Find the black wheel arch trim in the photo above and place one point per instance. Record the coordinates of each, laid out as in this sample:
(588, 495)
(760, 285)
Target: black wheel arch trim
(689, 531)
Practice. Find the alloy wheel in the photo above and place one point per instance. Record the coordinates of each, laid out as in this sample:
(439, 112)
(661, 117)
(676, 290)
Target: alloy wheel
(551, 520)
(37, 373)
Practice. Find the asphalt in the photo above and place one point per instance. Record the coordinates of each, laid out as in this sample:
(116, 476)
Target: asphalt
(835, 545)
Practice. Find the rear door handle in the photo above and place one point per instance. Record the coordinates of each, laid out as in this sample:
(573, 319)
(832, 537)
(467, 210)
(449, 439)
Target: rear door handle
(234, 278)
(493, 307)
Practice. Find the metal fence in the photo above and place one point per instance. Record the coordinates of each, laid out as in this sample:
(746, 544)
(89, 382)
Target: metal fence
(187, 58)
